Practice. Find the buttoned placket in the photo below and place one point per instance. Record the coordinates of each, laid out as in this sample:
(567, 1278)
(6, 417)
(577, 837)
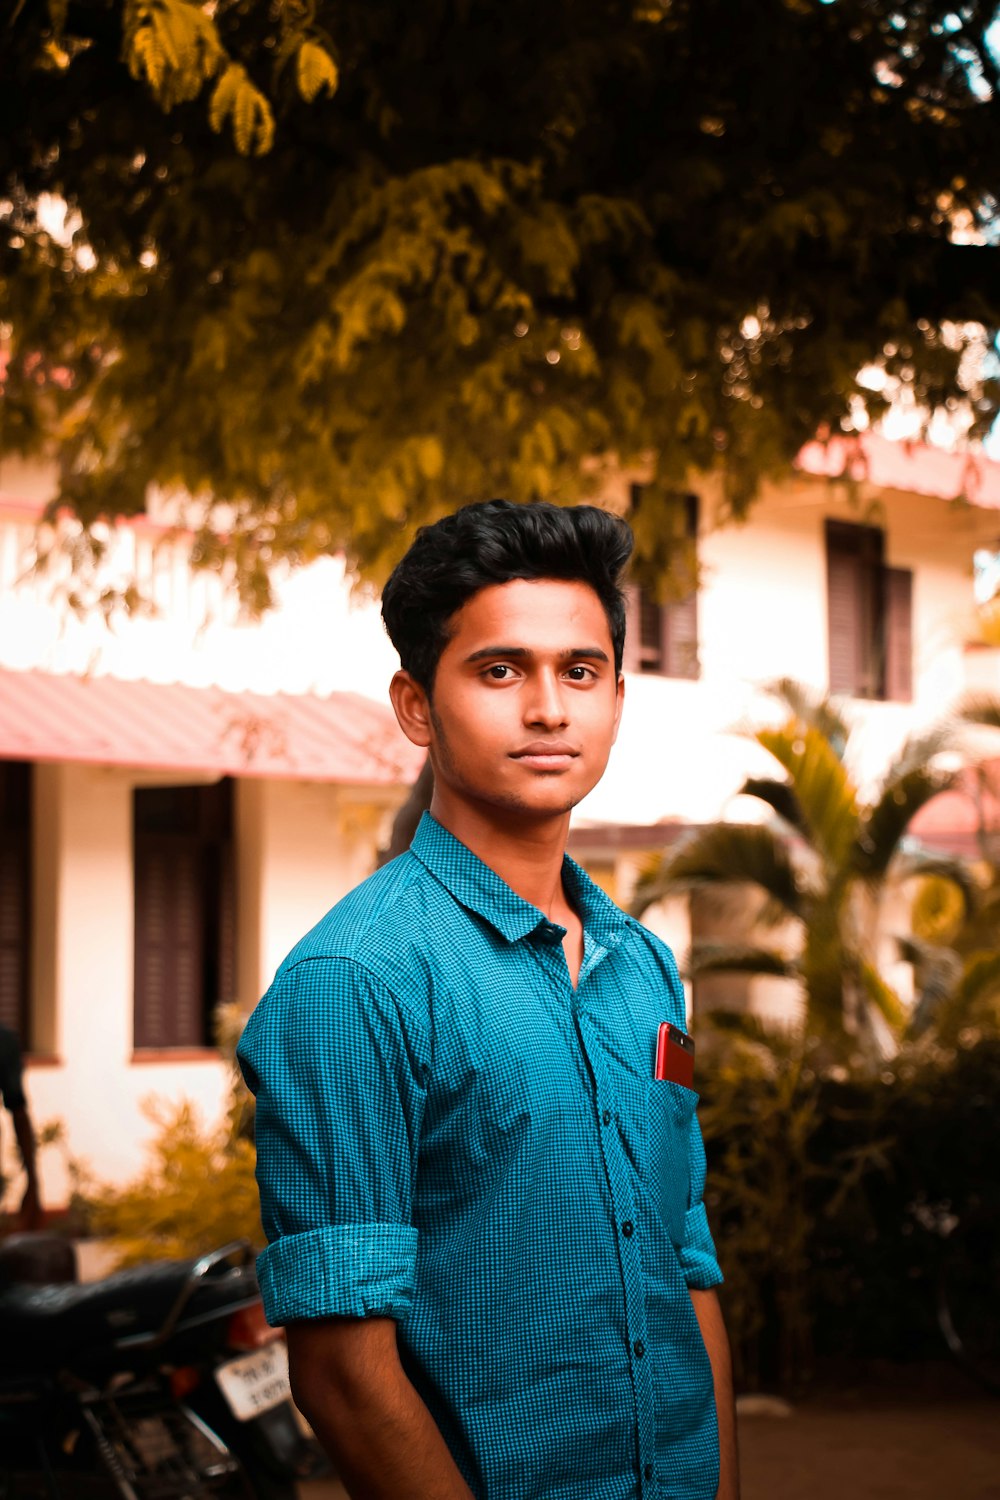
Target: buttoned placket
(617, 1171)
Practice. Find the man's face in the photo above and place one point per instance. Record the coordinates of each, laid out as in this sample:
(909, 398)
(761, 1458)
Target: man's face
(526, 699)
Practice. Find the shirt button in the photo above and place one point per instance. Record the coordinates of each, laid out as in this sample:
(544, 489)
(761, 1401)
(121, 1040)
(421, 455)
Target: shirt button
(628, 1229)
(606, 1117)
(638, 1348)
(648, 1471)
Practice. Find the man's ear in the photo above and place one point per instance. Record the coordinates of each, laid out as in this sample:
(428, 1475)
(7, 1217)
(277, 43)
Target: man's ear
(619, 704)
(412, 708)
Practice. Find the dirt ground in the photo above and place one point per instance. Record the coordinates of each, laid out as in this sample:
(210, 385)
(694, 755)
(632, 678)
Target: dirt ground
(925, 1450)
(860, 1446)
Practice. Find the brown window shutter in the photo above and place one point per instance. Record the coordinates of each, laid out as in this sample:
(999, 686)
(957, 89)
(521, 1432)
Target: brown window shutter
(632, 655)
(227, 926)
(644, 635)
(680, 621)
(899, 634)
(843, 604)
(185, 912)
(664, 637)
(153, 982)
(650, 633)
(680, 638)
(13, 948)
(855, 609)
(15, 897)
(169, 985)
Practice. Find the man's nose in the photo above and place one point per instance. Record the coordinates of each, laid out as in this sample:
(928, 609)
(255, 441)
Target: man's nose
(546, 704)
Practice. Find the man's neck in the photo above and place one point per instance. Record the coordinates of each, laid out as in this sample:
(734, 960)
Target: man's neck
(527, 853)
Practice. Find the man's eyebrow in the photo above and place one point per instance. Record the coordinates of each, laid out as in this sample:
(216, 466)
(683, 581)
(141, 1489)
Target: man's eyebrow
(574, 653)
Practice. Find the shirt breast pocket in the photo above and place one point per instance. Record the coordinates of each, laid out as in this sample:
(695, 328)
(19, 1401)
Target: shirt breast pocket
(669, 1111)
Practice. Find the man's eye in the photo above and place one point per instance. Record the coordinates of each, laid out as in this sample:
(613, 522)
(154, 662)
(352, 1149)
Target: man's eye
(498, 672)
(580, 674)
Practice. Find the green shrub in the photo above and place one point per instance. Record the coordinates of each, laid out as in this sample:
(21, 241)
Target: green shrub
(831, 1198)
(197, 1190)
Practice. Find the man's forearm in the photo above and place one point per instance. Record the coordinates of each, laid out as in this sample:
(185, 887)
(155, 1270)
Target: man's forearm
(713, 1332)
(349, 1384)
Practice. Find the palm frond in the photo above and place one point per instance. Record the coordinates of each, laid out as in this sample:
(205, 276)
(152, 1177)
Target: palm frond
(911, 949)
(981, 709)
(740, 958)
(881, 995)
(919, 750)
(749, 1027)
(813, 708)
(939, 867)
(978, 990)
(882, 825)
(822, 787)
(724, 853)
(981, 979)
(779, 795)
(980, 931)
(937, 970)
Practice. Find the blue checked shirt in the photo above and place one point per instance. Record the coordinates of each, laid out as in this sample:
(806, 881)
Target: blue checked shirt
(450, 1135)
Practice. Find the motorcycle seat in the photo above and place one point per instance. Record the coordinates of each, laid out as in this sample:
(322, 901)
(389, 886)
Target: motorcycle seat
(46, 1326)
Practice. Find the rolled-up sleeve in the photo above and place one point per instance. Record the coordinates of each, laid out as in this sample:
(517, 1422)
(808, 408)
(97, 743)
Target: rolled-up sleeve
(698, 1259)
(697, 1253)
(338, 1067)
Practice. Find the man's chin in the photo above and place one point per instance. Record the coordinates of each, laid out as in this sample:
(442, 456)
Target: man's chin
(538, 809)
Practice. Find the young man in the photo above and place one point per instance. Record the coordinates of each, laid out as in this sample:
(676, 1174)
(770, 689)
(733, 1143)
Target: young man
(12, 1094)
(487, 1237)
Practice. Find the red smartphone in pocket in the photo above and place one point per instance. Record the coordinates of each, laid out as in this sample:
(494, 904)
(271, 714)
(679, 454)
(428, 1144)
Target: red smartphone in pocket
(674, 1055)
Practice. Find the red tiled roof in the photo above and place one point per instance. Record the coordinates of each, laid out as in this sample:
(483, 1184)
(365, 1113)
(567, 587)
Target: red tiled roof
(613, 838)
(914, 467)
(104, 721)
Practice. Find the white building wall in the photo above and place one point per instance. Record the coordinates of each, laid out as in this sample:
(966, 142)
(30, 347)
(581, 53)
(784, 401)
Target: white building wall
(763, 615)
(89, 1081)
(321, 637)
(317, 843)
(300, 847)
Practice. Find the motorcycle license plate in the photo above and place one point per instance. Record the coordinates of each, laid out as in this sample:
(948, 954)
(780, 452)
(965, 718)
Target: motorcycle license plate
(256, 1382)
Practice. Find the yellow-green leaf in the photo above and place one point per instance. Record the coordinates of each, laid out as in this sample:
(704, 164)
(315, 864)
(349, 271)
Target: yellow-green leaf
(315, 71)
(253, 123)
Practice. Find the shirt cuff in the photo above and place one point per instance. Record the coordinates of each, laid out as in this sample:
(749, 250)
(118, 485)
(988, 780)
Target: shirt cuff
(697, 1254)
(339, 1270)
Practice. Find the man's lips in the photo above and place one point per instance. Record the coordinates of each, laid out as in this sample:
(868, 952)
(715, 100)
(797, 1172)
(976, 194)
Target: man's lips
(546, 755)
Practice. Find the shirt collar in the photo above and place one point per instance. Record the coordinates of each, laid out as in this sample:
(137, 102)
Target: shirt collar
(479, 889)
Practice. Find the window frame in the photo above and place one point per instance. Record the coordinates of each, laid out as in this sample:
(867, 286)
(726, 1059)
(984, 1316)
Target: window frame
(184, 916)
(663, 637)
(869, 616)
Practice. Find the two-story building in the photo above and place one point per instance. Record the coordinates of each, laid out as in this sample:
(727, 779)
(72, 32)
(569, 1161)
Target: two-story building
(183, 792)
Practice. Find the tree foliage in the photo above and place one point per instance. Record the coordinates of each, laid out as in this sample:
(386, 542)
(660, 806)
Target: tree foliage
(338, 267)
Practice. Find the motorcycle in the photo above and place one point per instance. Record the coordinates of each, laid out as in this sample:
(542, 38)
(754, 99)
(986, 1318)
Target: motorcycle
(162, 1382)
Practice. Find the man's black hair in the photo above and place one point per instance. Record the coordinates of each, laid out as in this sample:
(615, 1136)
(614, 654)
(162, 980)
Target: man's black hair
(495, 541)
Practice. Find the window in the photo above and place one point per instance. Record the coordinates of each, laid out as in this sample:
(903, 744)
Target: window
(184, 912)
(869, 616)
(663, 638)
(15, 897)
